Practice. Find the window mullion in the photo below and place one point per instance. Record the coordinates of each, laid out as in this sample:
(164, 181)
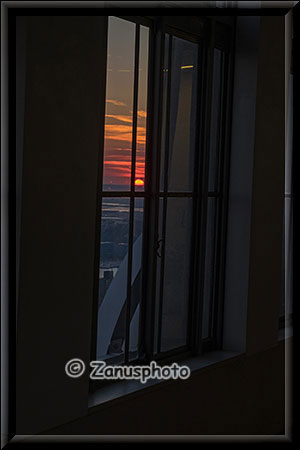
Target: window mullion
(223, 187)
(165, 199)
(204, 186)
(152, 188)
(194, 299)
(213, 289)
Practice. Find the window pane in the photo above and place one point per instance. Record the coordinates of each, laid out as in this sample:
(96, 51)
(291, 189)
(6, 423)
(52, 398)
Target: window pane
(182, 127)
(176, 273)
(142, 110)
(112, 276)
(209, 271)
(119, 104)
(136, 278)
(215, 121)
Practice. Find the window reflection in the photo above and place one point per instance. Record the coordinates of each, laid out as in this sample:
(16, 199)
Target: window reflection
(182, 120)
(176, 273)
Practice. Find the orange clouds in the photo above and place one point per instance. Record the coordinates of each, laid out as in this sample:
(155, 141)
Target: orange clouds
(124, 133)
(117, 147)
(115, 102)
(142, 113)
(121, 118)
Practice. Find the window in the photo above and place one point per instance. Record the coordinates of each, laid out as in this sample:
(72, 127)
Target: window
(123, 191)
(164, 184)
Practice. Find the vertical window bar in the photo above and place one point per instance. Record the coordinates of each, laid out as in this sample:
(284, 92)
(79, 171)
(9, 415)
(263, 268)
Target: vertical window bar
(216, 259)
(131, 217)
(228, 83)
(196, 302)
(165, 199)
(154, 176)
(213, 286)
(204, 181)
(219, 207)
(221, 123)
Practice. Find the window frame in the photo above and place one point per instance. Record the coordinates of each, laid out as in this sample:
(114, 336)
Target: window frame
(213, 34)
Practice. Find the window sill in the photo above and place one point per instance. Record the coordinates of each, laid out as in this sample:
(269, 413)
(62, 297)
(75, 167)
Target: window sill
(117, 391)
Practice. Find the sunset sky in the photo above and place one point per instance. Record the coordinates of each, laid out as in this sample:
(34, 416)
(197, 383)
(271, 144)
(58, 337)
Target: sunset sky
(119, 103)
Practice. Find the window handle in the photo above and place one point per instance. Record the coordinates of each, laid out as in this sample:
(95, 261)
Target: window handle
(157, 248)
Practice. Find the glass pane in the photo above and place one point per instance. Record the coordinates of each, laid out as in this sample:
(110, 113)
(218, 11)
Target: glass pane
(215, 122)
(142, 110)
(176, 273)
(119, 104)
(136, 279)
(113, 277)
(209, 271)
(182, 127)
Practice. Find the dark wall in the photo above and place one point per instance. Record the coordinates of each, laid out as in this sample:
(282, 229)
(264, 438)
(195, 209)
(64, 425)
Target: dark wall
(62, 135)
(268, 188)
(241, 396)
(20, 104)
(63, 130)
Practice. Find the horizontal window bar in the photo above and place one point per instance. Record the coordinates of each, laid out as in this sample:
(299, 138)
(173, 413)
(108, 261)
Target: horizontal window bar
(176, 194)
(124, 194)
(147, 194)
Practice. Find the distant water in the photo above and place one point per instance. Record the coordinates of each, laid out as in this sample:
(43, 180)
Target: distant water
(116, 187)
(115, 230)
(121, 187)
(118, 207)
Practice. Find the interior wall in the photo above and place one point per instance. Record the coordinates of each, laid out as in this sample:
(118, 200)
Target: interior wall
(268, 189)
(63, 132)
(241, 396)
(20, 104)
